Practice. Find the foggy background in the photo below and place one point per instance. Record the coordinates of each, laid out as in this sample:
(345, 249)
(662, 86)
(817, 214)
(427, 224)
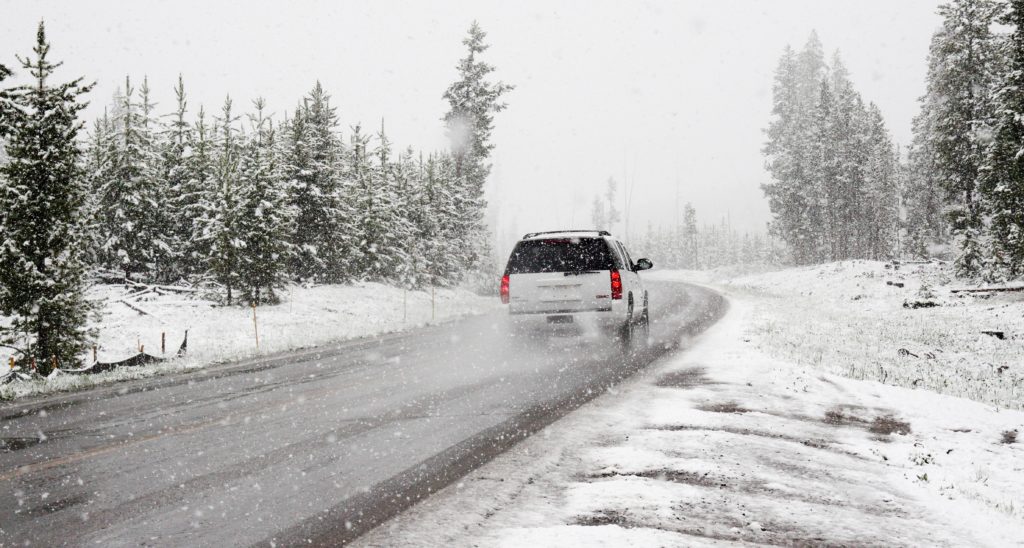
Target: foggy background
(669, 98)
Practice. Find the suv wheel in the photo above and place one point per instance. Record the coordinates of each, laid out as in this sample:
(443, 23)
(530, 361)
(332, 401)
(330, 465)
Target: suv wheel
(627, 332)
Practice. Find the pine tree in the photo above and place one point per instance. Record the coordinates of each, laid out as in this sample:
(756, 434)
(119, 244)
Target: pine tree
(324, 224)
(383, 229)
(194, 200)
(96, 167)
(792, 193)
(264, 218)
(691, 253)
(473, 100)
(962, 61)
(130, 205)
(174, 172)
(42, 194)
(604, 214)
(879, 212)
(221, 222)
(1003, 184)
(924, 197)
(408, 206)
(7, 109)
(163, 245)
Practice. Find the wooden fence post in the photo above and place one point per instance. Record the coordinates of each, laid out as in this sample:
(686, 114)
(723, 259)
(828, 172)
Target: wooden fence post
(255, 326)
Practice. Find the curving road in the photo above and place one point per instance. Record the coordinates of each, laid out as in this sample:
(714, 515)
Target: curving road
(315, 446)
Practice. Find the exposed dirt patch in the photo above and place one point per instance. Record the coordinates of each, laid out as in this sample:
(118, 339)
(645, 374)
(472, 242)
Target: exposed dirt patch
(842, 417)
(606, 517)
(726, 407)
(881, 425)
(674, 476)
(889, 425)
(1009, 436)
(685, 378)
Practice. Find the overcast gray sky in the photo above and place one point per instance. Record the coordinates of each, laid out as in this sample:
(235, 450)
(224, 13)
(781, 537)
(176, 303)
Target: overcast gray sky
(670, 96)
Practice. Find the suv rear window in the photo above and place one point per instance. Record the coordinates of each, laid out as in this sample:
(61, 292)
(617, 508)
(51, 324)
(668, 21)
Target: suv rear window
(560, 255)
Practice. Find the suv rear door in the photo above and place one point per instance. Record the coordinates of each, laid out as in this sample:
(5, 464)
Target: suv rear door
(560, 275)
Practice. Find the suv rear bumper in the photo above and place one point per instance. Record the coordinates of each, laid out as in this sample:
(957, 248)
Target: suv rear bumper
(613, 316)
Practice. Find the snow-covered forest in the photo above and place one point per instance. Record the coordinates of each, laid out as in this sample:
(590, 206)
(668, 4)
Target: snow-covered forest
(236, 197)
(834, 176)
(839, 188)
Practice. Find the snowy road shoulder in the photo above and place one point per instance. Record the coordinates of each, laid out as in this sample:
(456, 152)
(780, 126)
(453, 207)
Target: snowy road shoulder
(722, 444)
(307, 317)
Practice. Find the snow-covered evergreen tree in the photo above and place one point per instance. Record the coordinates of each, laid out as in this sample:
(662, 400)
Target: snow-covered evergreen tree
(264, 217)
(1003, 184)
(603, 213)
(961, 71)
(313, 162)
(879, 213)
(473, 100)
(383, 228)
(194, 199)
(6, 109)
(924, 197)
(174, 172)
(164, 244)
(42, 216)
(220, 224)
(134, 237)
(96, 166)
(790, 193)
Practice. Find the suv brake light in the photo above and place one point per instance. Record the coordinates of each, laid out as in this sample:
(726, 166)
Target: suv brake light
(616, 285)
(504, 289)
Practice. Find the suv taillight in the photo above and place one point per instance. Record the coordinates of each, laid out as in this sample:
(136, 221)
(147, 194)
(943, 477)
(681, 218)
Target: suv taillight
(616, 285)
(504, 289)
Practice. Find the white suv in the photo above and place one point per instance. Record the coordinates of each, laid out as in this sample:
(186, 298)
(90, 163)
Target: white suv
(577, 276)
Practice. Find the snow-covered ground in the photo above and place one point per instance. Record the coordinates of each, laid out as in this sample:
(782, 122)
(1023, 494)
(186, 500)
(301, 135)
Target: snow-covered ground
(853, 318)
(727, 444)
(307, 317)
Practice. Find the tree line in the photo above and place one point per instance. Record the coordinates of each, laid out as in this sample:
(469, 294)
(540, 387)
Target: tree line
(965, 176)
(241, 199)
(691, 246)
(834, 169)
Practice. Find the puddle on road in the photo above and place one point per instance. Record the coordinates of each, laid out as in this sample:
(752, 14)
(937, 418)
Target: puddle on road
(8, 445)
(56, 506)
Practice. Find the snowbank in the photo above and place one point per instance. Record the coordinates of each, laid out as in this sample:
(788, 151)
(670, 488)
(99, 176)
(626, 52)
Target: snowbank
(307, 317)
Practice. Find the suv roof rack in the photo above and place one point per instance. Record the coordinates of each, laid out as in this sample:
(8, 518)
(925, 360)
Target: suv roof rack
(532, 234)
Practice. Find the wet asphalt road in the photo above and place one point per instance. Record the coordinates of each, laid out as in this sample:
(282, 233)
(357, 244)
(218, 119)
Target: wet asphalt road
(314, 446)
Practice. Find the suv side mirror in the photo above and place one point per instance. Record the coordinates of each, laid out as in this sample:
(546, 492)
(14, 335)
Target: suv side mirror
(643, 264)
